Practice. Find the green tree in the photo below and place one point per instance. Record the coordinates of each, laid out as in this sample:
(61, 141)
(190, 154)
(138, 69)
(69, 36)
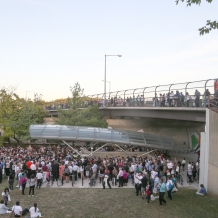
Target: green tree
(16, 115)
(210, 25)
(75, 116)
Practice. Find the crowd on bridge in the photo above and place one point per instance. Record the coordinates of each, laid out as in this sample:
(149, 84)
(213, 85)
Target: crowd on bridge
(151, 176)
(171, 99)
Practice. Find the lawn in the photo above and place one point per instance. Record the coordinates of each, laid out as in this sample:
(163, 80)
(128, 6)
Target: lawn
(116, 203)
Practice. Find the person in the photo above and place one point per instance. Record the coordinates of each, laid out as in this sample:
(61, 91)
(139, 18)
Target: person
(183, 164)
(162, 187)
(187, 99)
(148, 191)
(202, 190)
(125, 177)
(197, 98)
(32, 183)
(88, 168)
(11, 181)
(120, 176)
(5, 196)
(92, 179)
(55, 171)
(48, 177)
(66, 172)
(137, 179)
(17, 210)
(106, 182)
(144, 183)
(169, 186)
(39, 178)
(3, 208)
(23, 181)
(34, 211)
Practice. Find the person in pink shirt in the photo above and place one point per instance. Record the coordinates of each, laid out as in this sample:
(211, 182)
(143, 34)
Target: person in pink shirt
(48, 178)
(23, 181)
(125, 178)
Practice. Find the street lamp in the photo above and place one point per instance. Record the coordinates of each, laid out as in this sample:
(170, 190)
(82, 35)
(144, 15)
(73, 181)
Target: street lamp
(109, 85)
(105, 77)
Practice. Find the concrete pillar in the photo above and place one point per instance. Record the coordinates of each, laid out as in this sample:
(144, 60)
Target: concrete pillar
(202, 177)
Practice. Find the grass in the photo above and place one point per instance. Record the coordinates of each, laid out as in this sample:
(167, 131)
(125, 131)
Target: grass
(116, 203)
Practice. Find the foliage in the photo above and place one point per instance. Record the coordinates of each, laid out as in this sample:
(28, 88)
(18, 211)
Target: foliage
(77, 96)
(210, 25)
(90, 116)
(17, 114)
(75, 116)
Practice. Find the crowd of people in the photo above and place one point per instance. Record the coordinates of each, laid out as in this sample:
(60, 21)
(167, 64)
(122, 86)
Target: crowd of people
(171, 99)
(151, 176)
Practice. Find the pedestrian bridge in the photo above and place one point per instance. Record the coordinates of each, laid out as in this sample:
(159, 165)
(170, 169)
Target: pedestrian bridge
(175, 113)
(107, 135)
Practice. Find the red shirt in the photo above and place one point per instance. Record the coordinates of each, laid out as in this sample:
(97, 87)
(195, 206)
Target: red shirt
(29, 163)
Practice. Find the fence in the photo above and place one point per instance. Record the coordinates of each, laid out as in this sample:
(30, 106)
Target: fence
(170, 95)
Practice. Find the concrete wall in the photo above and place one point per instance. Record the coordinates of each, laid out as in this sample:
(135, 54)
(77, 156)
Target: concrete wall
(177, 129)
(212, 141)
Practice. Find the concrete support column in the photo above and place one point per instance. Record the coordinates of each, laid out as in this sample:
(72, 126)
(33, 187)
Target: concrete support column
(202, 177)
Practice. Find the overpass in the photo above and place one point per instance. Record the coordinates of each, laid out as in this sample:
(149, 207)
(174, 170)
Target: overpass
(173, 113)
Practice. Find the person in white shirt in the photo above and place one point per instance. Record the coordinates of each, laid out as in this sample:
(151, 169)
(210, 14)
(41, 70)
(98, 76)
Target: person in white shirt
(33, 168)
(120, 176)
(75, 169)
(34, 211)
(137, 180)
(170, 166)
(17, 210)
(39, 177)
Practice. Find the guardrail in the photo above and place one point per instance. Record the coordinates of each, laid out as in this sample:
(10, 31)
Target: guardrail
(204, 94)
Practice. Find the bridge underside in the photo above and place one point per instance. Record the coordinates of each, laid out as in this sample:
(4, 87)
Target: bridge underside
(106, 135)
(186, 114)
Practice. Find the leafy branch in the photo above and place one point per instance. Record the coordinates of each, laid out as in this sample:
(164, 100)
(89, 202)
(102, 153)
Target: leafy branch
(210, 25)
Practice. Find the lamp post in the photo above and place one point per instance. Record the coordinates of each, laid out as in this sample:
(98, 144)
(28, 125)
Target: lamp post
(105, 72)
(109, 85)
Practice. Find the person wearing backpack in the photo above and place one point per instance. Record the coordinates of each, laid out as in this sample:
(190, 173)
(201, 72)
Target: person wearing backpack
(162, 187)
(169, 186)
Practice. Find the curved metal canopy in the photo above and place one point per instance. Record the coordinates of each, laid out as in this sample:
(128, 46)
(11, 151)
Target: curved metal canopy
(95, 134)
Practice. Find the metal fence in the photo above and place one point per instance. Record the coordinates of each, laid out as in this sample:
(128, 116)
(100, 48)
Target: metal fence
(202, 93)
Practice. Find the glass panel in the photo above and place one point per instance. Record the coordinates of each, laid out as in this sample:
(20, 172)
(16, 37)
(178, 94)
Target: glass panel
(86, 133)
(136, 138)
(36, 130)
(120, 136)
(103, 134)
(51, 131)
(68, 132)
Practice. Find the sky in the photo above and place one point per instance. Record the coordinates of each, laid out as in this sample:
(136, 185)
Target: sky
(46, 46)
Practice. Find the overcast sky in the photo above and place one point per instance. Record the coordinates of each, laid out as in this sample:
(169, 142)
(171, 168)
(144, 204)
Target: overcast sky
(46, 46)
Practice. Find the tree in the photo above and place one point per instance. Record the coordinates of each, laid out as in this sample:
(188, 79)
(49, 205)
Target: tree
(210, 25)
(16, 115)
(75, 116)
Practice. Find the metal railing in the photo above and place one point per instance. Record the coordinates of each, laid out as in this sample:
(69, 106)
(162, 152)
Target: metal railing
(170, 95)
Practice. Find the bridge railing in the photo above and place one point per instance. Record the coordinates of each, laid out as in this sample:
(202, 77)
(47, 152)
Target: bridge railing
(170, 95)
